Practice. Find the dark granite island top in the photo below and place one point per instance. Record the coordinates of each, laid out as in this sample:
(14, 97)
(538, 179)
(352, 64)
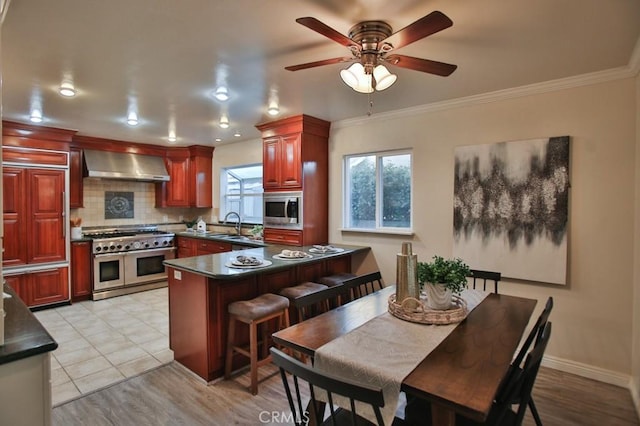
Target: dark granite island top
(218, 265)
(24, 336)
(201, 288)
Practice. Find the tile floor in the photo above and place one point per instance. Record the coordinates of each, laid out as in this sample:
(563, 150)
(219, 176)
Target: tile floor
(104, 342)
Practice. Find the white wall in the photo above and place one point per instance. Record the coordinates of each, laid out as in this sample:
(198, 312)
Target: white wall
(593, 313)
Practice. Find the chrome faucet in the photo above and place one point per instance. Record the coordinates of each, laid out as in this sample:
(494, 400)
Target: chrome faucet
(239, 221)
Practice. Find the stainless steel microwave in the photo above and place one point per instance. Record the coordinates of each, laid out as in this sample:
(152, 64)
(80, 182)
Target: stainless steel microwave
(283, 210)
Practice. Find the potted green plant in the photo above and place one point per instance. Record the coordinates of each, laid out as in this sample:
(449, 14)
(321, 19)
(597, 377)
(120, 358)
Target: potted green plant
(441, 279)
(190, 223)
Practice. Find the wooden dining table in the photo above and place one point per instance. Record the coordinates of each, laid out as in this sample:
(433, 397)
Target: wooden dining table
(461, 375)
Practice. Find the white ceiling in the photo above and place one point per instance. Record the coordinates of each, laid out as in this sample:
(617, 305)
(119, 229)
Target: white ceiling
(166, 56)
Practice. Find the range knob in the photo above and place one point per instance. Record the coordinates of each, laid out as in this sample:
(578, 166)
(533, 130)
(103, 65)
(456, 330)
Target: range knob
(98, 248)
(112, 247)
(155, 243)
(127, 247)
(165, 242)
(136, 245)
(146, 245)
(119, 246)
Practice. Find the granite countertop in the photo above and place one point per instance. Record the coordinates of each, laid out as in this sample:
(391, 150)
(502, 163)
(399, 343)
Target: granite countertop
(216, 265)
(24, 336)
(224, 238)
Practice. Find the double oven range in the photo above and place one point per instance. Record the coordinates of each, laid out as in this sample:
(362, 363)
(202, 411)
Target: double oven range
(129, 260)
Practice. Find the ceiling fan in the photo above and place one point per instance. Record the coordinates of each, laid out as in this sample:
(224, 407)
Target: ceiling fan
(371, 42)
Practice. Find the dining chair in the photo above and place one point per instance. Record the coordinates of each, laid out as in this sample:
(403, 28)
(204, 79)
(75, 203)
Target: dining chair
(534, 335)
(363, 285)
(484, 276)
(292, 369)
(518, 386)
(314, 303)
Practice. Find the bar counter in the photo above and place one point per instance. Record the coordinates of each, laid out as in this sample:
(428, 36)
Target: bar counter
(201, 288)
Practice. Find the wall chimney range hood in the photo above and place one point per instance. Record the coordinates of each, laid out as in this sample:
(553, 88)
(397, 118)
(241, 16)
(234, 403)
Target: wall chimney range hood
(125, 166)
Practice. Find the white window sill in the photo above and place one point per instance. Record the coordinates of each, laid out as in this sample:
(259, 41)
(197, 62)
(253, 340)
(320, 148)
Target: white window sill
(379, 231)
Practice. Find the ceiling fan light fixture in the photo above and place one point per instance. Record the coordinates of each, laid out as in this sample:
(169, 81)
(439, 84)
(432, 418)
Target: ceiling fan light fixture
(351, 75)
(384, 79)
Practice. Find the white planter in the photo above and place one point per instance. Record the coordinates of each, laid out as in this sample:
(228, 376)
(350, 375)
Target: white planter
(438, 297)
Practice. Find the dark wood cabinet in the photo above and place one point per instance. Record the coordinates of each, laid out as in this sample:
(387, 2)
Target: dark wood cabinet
(42, 287)
(296, 157)
(282, 168)
(33, 216)
(191, 178)
(188, 247)
(76, 197)
(81, 270)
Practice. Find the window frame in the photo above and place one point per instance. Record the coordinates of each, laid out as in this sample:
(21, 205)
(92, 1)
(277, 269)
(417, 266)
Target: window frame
(224, 193)
(346, 190)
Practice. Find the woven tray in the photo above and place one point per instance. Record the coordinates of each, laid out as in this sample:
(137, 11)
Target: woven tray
(424, 315)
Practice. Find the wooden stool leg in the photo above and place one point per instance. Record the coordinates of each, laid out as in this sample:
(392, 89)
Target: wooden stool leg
(230, 342)
(265, 339)
(253, 350)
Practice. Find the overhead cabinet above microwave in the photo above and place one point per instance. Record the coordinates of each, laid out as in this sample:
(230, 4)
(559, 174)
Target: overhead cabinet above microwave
(295, 158)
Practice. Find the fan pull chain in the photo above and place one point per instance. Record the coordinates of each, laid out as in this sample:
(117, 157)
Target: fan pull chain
(370, 98)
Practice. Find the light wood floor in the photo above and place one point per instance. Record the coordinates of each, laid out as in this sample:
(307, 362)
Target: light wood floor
(170, 395)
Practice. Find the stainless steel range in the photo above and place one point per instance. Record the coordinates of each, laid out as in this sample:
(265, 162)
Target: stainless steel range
(129, 260)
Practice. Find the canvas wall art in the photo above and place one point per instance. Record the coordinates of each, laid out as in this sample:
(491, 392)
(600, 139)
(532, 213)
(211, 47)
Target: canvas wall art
(511, 208)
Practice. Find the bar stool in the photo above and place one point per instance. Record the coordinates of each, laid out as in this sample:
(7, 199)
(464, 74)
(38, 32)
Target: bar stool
(304, 289)
(338, 279)
(254, 312)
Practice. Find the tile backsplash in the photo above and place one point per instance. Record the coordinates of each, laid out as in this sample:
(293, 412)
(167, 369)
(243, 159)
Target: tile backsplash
(144, 200)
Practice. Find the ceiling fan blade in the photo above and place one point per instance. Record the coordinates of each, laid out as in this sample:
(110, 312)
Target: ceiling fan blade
(424, 65)
(317, 64)
(423, 27)
(325, 30)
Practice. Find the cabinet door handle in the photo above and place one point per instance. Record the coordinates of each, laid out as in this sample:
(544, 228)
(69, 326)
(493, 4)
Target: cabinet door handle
(64, 225)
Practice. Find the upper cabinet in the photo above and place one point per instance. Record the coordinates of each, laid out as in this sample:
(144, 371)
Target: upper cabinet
(190, 170)
(282, 168)
(76, 197)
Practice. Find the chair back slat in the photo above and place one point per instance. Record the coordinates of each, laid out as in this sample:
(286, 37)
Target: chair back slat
(535, 333)
(477, 275)
(363, 285)
(331, 384)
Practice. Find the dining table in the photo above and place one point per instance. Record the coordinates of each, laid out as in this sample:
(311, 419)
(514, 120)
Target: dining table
(459, 376)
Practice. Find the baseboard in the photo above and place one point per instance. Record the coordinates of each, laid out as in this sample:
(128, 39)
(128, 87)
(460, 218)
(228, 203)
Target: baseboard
(588, 371)
(635, 396)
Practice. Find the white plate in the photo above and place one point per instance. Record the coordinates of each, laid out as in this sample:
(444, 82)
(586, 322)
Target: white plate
(243, 266)
(282, 257)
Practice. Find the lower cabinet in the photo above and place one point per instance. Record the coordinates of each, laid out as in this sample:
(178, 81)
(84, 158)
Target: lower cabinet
(282, 236)
(41, 287)
(81, 271)
(188, 247)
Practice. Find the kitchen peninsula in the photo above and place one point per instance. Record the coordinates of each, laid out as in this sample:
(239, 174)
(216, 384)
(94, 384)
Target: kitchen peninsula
(201, 288)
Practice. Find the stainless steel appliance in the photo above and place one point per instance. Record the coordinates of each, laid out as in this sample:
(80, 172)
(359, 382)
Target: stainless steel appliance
(128, 261)
(283, 210)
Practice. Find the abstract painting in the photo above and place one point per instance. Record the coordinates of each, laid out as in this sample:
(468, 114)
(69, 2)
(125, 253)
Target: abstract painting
(511, 208)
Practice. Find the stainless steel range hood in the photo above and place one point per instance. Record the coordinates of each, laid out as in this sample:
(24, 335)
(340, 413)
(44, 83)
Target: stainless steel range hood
(120, 165)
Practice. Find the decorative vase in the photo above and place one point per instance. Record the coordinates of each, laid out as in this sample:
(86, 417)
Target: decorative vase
(438, 296)
(407, 276)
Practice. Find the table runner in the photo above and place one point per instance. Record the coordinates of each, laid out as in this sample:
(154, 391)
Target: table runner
(382, 352)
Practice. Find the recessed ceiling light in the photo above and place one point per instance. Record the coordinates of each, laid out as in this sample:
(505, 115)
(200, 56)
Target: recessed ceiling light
(67, 89)
(218, 139)
(221, 94)
(237, 134)
(224, 122)
(273, 109)
(132, 119)
(36, 116)
(172, 137)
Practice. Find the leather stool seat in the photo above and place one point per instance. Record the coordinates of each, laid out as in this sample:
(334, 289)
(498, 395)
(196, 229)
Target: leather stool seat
(301, 290)
(336, 279)
(260, 307)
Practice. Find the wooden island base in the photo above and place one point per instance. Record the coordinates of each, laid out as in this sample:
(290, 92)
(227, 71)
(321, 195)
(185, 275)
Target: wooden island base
(198, 318)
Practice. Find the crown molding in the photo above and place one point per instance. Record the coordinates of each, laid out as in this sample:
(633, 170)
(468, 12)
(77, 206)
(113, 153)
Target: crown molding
(500, 95)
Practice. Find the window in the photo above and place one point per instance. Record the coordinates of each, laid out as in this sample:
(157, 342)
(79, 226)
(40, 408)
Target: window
(378, 192)
(241, 192)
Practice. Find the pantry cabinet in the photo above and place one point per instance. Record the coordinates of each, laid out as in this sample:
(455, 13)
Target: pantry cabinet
(296, 158)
